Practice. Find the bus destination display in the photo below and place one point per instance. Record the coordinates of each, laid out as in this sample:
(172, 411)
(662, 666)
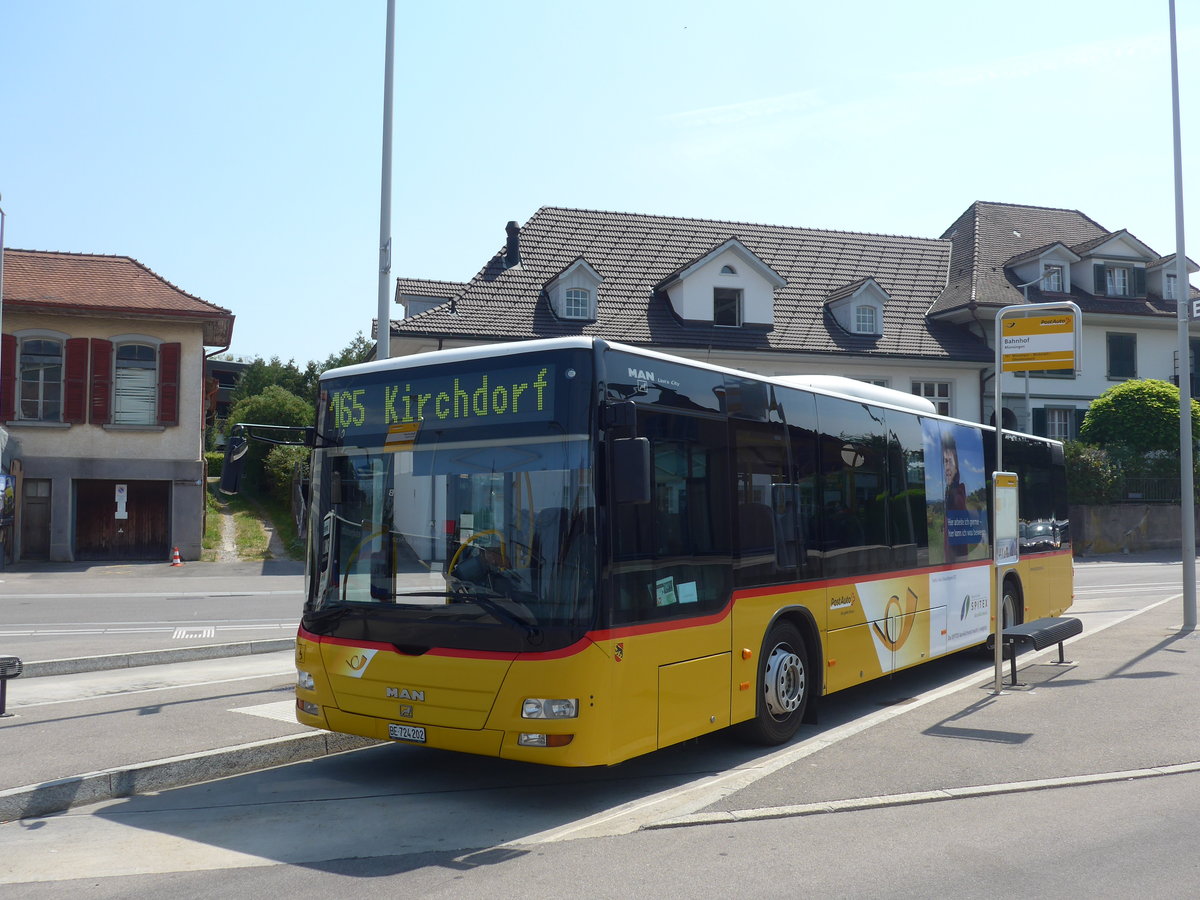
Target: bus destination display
(451, 399)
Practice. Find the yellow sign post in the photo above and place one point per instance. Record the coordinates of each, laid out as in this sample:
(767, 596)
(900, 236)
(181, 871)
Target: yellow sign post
(1038, 342)
(1030, 337)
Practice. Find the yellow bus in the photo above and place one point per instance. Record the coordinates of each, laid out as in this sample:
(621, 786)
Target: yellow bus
(573, 552)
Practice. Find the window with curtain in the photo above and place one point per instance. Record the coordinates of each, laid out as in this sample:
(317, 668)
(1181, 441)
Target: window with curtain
(135, 387)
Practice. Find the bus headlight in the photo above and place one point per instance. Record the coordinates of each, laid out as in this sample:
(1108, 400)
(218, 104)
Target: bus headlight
(304, 680)
(534, 708)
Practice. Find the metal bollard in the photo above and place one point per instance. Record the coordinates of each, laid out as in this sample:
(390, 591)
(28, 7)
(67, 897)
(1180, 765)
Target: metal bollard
(10, 667)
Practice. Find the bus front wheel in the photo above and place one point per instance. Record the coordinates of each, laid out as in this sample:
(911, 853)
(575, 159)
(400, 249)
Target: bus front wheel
(783, 686)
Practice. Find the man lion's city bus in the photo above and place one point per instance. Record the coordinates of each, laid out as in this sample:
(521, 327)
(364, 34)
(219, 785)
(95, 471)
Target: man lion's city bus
(572, 552)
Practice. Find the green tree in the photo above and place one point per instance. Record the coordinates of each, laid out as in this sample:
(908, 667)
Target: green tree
(260, 374)
(358, 350)
(273, 406)
(296, 380)
(1142, 415)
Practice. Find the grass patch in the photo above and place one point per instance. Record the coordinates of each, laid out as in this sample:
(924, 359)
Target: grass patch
(211, 541)
(280, 516)
(250, 523)
(251, 538)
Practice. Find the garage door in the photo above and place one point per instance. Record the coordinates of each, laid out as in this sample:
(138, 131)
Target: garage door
(122, 520)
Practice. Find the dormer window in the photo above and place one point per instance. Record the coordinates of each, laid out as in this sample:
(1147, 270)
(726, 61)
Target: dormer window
(859, 307)
(577, 303)
(727, 287)
(865, 320)
(1117, 281)
(1169, 288)
(1120, 280)
(1052, 278)
(572, 292)
(727, 307)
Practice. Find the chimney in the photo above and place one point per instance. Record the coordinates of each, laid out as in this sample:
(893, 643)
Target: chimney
(512, 250)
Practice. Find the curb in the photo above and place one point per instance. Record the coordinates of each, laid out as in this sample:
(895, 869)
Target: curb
(176, 771)
(137, 658)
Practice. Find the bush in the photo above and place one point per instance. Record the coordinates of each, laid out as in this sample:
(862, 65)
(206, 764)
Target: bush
(279, 468)
(1093, 476)
(214, 462)
(274, 406)
(1142, 415)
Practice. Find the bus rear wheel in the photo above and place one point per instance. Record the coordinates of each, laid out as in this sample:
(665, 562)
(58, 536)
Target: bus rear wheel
(1011, 606)
(783, 686)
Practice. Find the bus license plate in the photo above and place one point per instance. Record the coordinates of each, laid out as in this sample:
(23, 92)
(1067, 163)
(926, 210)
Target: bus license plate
(406, 733)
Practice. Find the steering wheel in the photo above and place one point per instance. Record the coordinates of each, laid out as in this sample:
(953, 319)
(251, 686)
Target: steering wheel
(474, 537)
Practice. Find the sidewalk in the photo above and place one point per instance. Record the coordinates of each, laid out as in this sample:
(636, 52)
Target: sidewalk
(1123, 706)
(81, 738)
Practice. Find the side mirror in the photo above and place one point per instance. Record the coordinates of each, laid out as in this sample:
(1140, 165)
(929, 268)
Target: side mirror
(235, 462)
(630, 470)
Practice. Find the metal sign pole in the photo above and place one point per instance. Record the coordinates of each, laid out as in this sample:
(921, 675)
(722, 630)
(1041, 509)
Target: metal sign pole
(1037, 359)
(1187, 503)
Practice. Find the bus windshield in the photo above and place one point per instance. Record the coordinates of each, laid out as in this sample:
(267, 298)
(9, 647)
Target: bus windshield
(495, 533)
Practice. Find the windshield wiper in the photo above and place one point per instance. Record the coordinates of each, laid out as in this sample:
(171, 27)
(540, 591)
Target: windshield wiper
(488, 600)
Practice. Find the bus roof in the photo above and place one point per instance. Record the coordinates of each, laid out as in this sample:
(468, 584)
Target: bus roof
(834, 385)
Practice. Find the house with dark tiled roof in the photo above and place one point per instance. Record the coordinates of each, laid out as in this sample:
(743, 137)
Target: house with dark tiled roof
(1006, 254)
(772, 299)
(102, 398)
(915, 314)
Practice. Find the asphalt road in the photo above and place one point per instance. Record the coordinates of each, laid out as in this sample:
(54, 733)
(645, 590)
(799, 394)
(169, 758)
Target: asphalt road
(62, 611)
(1079, 782)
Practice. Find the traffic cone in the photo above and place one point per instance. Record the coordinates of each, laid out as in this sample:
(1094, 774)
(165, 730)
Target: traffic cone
(175, 560)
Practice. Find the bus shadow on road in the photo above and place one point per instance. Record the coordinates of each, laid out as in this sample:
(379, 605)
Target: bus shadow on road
(408, 807)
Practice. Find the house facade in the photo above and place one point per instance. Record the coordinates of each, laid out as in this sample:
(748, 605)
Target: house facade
(913, 314)
(102, 396)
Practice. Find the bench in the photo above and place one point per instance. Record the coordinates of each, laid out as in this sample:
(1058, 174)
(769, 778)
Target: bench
(1040, 634)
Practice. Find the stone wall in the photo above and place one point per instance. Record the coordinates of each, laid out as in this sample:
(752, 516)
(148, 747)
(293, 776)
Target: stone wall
(1125, 528)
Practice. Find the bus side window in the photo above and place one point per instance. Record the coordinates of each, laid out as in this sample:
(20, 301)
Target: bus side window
(766, 521)
(853, 455)
(906, 491)
(800, 414)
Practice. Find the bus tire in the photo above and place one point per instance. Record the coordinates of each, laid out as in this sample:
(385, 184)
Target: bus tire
(784, 685)
(1011, 603)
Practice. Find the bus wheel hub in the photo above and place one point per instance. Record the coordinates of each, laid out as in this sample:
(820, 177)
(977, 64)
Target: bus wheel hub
(783, 681)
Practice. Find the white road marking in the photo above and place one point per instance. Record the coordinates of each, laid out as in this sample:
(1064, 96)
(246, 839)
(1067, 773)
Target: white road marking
(282, 711)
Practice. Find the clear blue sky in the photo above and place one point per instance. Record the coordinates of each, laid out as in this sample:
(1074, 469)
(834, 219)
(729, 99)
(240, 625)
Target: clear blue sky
(234, 147)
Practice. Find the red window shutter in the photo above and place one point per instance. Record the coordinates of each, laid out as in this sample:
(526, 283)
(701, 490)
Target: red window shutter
(75, 395)
(8, 378)
(102, 358)
(168, 384)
